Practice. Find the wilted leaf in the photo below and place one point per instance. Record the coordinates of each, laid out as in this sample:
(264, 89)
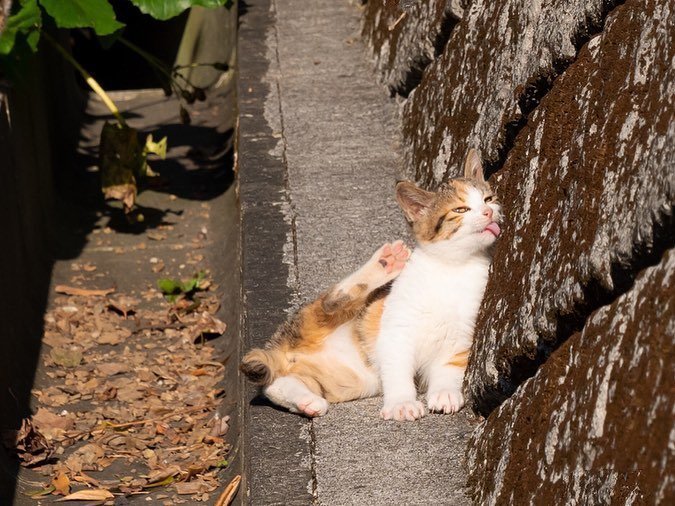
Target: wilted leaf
(197, 486)
(156, 236)
(61, 484)
(40, 493)
(51, 424)
(112, 368)
(66, 357)
(85, 292)
(124, 304)
(29, 444)
(96, 494)
(157, 148)
(220, 426)
(230, 491)
(85, 458)
(207, 324)
(122, 161)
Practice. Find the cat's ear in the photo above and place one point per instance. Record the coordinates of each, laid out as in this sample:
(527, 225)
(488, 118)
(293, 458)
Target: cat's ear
(413, 200)
(473, 167)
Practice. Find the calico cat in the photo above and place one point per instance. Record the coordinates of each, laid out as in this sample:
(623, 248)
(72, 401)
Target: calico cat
(401, 320)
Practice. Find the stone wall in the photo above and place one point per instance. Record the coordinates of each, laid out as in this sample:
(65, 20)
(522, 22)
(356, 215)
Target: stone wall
(570, 104)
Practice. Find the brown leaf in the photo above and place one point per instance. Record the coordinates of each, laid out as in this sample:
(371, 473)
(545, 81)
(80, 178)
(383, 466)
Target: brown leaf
(112, 368)
(156, 236)
(112, 338)
(29, 444)
(197, 486)
(124, 192)
(220, 426)
(230, 491)
(85, 458)
(46, 421)
(85, 292)
(207, 324)
(96, 494)
(61, 484)
(124, 304)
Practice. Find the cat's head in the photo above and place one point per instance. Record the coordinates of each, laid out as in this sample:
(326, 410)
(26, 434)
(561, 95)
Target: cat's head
(462, 217)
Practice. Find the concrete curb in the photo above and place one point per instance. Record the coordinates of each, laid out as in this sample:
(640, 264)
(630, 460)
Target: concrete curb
(276, 444)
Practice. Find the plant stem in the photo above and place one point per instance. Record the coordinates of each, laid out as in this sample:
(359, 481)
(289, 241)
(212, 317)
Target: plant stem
(93, 84)
(152, 60)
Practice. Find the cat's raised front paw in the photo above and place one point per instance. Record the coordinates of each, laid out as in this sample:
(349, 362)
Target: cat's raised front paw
(400, 411)
(445, 401)
(392, 257)
(313, 406)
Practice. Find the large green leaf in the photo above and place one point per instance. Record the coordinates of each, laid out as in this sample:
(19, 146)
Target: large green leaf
(165, 9)
(96, 14)
(27, 21)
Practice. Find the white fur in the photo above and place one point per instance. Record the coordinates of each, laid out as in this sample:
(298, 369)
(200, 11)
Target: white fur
(430, 314)
(292, 394)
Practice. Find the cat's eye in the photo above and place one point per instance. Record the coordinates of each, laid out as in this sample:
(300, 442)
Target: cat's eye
(461, 209)
(489, 199)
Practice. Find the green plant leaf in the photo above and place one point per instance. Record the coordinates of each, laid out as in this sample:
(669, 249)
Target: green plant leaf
(27, 21)
(96, 14)
(165, 9)
(170, 286)
(158, 148)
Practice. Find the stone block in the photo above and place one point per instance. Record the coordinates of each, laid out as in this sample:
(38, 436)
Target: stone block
(499, 60)
(595, 425)
(405, 37)
(588, 189)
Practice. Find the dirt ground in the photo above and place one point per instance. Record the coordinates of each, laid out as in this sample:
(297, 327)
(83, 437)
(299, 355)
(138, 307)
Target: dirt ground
(135, 397)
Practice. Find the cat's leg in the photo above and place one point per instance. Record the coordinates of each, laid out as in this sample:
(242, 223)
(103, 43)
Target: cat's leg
(445, 377)
(382, 267)
(395, 357)
(291, 393)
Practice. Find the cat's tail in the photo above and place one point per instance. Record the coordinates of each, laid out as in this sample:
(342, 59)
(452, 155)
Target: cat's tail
(262, 367)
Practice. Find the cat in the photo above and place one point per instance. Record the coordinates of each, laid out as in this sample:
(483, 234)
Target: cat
(401, 320)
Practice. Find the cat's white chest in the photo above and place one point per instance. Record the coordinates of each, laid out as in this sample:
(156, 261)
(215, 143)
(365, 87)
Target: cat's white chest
(435, 303)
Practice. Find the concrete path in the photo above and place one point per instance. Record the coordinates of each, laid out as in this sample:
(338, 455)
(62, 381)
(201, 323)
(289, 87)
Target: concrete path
(318, 160)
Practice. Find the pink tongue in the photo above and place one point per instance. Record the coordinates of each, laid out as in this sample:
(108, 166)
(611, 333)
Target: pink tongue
(494, 228)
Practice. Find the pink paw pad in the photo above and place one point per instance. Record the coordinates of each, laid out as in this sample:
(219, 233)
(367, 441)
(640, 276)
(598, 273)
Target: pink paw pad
(393, 257)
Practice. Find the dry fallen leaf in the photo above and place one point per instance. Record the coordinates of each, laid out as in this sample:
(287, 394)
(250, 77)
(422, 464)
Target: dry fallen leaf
(61, 484)
(207, 324)
(112, 368)
(29, 444)
(230, 491)
(66, 357)
(124, 304)
(96, 494)
(197, 486)
(51, 424)
(85, 292)
(156, 236)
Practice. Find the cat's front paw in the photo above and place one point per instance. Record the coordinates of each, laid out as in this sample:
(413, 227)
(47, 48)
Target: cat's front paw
(400, 411)
(312, 406)
(445, 401)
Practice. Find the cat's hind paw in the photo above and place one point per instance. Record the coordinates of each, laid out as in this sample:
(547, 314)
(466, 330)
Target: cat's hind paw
(445, 401)
(312, 406)
(401, 411)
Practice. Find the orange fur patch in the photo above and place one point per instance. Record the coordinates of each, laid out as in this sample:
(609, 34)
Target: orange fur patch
(368, 327)
(460, 359)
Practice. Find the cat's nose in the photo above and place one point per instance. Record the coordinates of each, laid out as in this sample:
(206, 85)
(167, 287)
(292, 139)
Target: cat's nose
(487, 211)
